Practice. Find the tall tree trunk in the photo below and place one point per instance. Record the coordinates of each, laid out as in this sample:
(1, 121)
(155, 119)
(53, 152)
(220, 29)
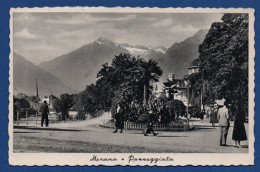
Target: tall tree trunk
(146, 94)
(145, 100)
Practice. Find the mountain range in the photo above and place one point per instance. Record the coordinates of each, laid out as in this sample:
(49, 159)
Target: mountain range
(180, 55)
(79, 68)
(25, 75)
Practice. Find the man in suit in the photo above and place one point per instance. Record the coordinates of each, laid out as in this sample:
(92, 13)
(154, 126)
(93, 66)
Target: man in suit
(223, 120)
(149, 125)
(44, 112)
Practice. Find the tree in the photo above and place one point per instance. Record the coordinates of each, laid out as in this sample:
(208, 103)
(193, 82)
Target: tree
(33, 99)
(88, 101)
(123, 81)
(177, 106)
(150, 73)
(224, 60)
(63, 104)
(114, 81)
(20, 104)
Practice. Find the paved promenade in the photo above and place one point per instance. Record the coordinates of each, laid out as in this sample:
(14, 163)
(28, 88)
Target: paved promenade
(87, 136)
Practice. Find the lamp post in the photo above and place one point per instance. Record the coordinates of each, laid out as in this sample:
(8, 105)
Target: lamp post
(187, 84)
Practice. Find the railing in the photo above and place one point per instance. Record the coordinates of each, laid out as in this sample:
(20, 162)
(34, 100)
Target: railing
(36, 119)
(182, 125)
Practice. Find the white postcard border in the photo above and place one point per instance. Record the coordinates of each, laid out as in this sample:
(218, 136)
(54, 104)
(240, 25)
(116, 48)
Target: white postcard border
(179, 159)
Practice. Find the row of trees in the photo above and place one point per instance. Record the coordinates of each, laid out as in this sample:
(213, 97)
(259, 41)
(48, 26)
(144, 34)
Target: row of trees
(223, 64)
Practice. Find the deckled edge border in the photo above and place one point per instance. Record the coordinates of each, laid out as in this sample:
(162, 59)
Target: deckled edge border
(250, 11)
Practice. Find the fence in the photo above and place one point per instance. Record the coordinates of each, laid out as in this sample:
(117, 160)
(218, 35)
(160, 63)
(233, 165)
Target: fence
(36, 119)
(182, 125)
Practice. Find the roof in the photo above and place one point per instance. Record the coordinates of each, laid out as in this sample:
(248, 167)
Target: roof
(193, 67)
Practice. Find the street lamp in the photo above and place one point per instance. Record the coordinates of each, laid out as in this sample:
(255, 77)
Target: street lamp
(187, 85)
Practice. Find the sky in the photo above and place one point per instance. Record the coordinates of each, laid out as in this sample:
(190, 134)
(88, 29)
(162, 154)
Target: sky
(43, 36)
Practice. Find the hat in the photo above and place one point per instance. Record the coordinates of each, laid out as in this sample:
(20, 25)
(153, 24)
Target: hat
(221, 102)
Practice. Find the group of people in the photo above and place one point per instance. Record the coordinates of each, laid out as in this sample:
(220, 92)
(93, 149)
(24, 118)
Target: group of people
(119, 124)
(220, 114)
(162, 112)
(223, 117)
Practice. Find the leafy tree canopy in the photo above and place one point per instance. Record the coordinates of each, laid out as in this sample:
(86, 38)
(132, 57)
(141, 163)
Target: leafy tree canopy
(224, 59)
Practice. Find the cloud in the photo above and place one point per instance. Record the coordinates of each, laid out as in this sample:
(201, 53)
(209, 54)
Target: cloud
(85, 19)
(25, 34)
(179, 28)
(24, 17)
(163, 23)
(44, 36)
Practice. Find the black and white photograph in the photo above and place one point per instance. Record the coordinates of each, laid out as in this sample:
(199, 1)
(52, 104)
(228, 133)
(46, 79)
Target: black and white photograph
(126, 86)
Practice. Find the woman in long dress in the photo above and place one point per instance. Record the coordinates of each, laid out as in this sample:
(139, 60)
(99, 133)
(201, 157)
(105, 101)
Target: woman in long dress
(239, 132)
(213, 116)
(119, 117)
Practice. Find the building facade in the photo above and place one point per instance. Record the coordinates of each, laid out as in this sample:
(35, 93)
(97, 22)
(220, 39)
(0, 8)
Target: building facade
(193, 69)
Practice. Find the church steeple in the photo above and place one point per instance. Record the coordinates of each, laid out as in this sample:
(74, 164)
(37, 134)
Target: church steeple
(37, 93)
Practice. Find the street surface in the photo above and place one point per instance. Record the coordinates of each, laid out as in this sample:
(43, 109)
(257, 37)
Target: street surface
(87, 136)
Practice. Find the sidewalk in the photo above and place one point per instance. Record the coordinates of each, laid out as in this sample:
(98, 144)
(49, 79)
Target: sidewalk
(203, 139)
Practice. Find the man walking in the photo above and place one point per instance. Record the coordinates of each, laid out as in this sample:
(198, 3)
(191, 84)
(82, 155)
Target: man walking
(44, 112)
(149, 125)
(223, 119)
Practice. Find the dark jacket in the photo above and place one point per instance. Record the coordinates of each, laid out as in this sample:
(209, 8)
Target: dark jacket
(119, 117)
(213, 117)
(44, 110)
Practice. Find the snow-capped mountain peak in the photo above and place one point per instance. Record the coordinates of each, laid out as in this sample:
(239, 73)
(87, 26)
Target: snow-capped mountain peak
(160, 49)
(103, 40)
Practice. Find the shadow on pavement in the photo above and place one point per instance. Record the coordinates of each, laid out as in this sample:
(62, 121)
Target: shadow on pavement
(24, 132)
(172, 136)
(205, 127)
(202, 128)
(232, 146)
(45, 128)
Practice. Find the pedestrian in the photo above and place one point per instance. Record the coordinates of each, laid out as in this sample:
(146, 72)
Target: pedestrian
(44, 112)
(239, 132)
(223, 120)
(119, 117)
(213, 115)
(149, 124)
(164, 115)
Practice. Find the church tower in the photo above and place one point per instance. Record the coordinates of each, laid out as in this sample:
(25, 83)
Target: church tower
(37, 93)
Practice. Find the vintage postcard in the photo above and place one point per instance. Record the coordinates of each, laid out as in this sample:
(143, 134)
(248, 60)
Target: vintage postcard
(131, 86)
